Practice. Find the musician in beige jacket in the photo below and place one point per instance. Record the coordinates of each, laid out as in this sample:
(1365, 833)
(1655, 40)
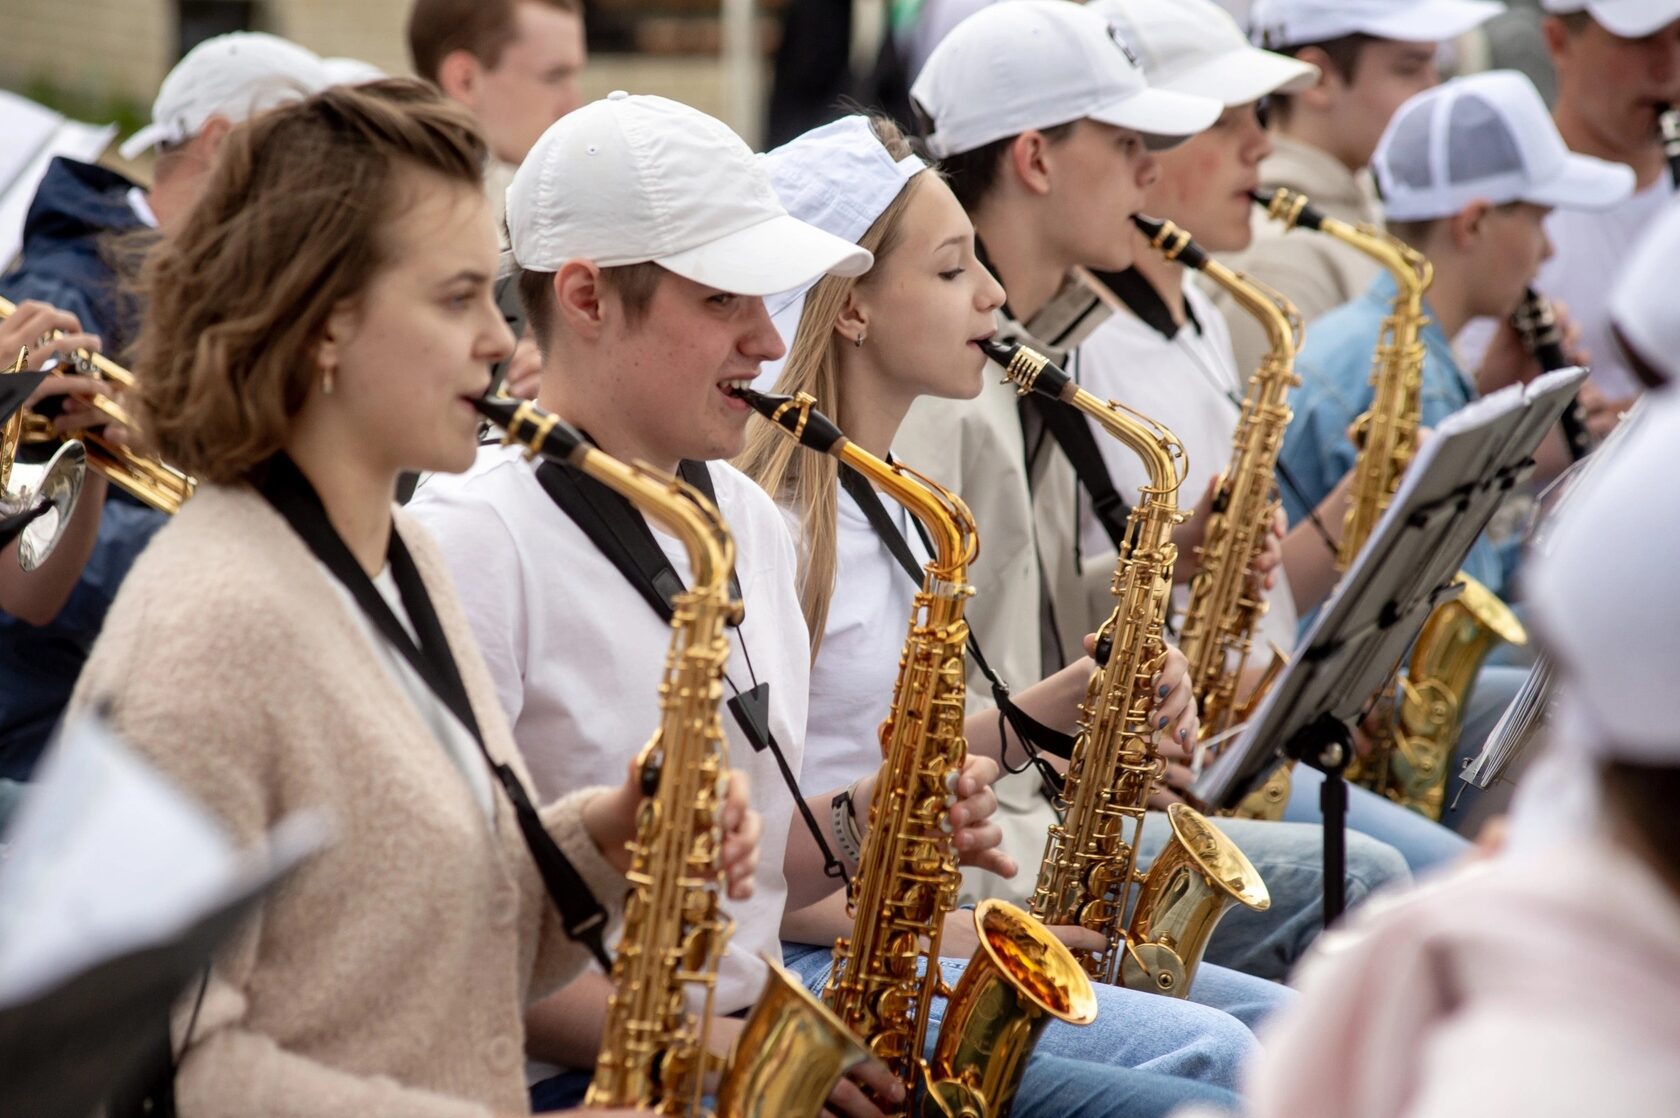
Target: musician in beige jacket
(289, 641)
(1371, 56)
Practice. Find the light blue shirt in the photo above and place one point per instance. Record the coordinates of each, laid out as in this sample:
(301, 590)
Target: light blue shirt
(1335, 369)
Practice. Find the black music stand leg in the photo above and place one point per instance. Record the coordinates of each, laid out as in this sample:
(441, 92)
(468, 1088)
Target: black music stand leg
(1327, 745)
(1332, 802)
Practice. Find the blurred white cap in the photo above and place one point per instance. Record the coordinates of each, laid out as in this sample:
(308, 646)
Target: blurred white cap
(1629, 19)
(1290, 23)
(1194, 46)
(234, 76)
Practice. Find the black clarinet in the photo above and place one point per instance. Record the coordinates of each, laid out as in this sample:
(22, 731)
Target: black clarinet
(1537, 326)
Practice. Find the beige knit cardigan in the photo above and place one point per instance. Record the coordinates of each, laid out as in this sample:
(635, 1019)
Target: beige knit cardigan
(389, 976)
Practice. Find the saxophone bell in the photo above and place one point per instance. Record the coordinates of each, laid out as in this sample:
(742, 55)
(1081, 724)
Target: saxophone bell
(789, 1056)
(1020, 980)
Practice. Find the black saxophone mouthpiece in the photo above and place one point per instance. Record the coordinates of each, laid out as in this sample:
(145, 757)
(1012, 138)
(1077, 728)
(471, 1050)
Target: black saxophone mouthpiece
(1289, 206)
(799, 416)
(541, 432)
(1173, 242)
(1029, 369)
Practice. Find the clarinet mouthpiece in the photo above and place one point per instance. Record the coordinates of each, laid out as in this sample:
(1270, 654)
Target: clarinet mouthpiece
(798, 416)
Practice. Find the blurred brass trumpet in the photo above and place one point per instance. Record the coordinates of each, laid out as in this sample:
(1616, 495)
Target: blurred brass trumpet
(36, 500)
(145, 477)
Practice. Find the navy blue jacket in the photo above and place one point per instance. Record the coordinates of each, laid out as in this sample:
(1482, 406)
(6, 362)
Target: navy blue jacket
(66, 262)
(77, 212)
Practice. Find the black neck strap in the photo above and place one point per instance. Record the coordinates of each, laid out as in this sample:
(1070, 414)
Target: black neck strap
(1072, 432)
(1033, 734)
(288, 490)
(1067, 320)
(621, 534)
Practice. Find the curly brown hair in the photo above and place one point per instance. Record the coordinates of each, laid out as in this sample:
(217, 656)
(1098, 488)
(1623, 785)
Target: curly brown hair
(291, 224)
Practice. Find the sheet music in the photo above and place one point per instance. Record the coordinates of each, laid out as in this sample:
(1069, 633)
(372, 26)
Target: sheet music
(34, 134)
(106, 856)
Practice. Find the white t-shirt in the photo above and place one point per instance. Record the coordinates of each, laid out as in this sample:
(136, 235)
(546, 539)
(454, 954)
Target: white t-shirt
(455, 739)
(1189, 383)
(857, 665)
(1589, 251)
(577, 654)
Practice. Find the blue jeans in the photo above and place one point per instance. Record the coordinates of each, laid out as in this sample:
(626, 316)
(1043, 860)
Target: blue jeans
(1424, 844)
(1133, 1030)
(1052, 1087)
(1290, 860)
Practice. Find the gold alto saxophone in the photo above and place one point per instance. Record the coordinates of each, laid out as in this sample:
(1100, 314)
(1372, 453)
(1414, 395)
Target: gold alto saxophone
(1090, 858)
(1409, 762)
(654, 1050)
(886, 974)
(1218, 629)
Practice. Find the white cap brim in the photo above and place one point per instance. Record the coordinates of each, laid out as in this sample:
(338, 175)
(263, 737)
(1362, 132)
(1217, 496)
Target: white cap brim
(148, 137)
(1165, 118)
(1635, 21)
(775, 255)
(1240, 76)
(1585, 183)
(1430, 21)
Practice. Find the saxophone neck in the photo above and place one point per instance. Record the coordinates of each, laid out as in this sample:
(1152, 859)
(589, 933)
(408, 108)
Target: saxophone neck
(1275, 313)
(949, 524)
(669, 501)
(1162, 454)
(1410, 268)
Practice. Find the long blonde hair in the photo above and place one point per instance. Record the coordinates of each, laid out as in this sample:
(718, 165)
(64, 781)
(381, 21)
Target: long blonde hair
(791, 474)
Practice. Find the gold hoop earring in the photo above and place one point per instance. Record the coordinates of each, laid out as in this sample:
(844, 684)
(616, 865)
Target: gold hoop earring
(327, 381)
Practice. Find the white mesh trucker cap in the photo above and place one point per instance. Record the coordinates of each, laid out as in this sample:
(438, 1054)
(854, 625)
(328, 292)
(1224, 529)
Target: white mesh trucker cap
(1289, 23)
(1027, 64)
(1485, 137)
(234, 76)
(628, 180)
(1194, 46)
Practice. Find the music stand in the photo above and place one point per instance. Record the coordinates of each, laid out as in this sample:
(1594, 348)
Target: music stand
(1404, 571)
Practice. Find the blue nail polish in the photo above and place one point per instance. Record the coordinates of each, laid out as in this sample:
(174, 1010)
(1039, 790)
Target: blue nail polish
(1162, 690)
(1163, 723)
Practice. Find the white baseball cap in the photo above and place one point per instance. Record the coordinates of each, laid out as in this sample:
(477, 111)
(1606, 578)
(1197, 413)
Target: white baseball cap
(1642, 304)
(629, 180)
(1194, 46)
(1602, 592)
(1628, 19)
(1485, 137)
(1291, 23)
(840, 178)
(1013, 67)
(234, 76)
(351, 71)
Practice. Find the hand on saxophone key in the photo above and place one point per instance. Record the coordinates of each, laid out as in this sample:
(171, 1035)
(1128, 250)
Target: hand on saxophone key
(1262, 572)
(978, 840)
(1175, 724)
(610, 818)
(741, 830)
